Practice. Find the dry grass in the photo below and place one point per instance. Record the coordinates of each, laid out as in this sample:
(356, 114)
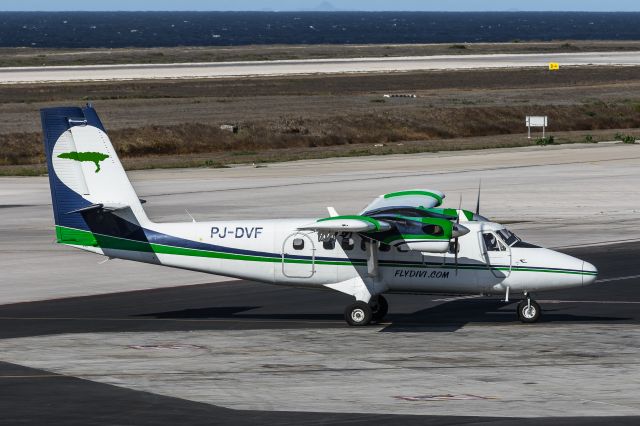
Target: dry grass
(56, 57)
(176, 123)
(341, 131)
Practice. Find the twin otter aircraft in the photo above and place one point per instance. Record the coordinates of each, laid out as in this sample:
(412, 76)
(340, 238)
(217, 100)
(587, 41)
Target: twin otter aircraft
(400, 243)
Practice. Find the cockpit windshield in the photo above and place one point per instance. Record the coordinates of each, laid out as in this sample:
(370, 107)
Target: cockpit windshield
(509, 237)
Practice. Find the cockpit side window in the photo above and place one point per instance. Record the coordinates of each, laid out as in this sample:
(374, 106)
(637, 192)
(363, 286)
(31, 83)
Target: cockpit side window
(509, 237)
(491, 242)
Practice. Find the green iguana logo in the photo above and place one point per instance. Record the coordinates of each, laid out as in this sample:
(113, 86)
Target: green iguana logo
(93, 157)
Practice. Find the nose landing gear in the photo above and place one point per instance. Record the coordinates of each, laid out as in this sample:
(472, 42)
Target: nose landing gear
(529, 310)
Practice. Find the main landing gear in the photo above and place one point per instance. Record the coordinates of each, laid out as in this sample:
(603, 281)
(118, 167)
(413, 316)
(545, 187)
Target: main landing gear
(360, 314)
(528, 310)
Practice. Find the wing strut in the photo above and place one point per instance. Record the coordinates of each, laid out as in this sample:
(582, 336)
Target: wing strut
(372, 258)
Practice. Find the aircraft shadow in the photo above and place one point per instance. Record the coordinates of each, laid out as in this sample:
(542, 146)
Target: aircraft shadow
(239, 313)
(446, 317)
(451, 316)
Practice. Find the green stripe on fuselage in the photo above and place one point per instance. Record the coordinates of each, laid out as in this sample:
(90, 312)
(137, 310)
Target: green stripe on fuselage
(88, 239)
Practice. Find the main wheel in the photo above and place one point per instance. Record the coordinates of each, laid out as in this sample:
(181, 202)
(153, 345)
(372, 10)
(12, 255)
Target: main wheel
(529, 311)
(358, 314)
(379, 308)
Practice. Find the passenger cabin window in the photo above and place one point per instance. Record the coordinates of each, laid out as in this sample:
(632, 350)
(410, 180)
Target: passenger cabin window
(491, 242)
(298, 244)
(329, 245)
(347, 244)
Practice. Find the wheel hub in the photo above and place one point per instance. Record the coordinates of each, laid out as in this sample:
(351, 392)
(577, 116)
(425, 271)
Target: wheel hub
(357, 315)
(529, 312)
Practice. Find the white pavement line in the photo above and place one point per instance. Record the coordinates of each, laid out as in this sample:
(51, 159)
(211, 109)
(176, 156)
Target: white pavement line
(213, 320)
(599, 244)
(608, 280)
(597, 302)
(453, 299)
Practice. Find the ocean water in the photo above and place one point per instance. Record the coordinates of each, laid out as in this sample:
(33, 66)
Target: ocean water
(164, 29)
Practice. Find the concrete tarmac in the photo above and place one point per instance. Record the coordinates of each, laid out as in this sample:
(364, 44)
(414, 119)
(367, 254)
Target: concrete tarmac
(159, 350)
(553, 196)
(26, 75)
(245, 353)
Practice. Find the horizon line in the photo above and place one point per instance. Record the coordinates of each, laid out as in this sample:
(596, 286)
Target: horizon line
(324, 11)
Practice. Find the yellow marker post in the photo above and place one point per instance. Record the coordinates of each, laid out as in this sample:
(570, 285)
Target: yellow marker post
(553, 66)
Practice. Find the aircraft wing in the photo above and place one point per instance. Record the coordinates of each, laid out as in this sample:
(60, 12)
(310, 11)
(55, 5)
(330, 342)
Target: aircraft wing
(347, 224)
(424, 198)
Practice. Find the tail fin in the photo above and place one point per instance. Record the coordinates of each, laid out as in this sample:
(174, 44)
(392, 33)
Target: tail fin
(85, 173)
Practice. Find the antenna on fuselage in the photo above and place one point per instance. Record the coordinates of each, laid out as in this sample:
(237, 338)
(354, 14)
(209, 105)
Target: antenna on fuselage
(189, 214)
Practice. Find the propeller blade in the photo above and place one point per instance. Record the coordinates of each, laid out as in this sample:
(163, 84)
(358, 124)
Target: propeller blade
(478, 203)
(456, 254)
(457, 228)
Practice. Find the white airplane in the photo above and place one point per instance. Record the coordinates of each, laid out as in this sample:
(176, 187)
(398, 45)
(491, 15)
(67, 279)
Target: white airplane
(400, 243)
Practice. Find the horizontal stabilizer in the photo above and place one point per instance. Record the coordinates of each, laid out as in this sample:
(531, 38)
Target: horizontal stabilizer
(109, 207)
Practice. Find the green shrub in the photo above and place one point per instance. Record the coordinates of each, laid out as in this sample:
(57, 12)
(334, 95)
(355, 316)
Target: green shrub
(625, 138)
(549, 140)
(458, 46)
(589, 139)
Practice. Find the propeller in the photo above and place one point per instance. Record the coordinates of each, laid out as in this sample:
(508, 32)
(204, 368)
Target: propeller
(478, 203)
(457, 226)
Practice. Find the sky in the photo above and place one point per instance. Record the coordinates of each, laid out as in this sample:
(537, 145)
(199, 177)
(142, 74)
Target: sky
(225, 5)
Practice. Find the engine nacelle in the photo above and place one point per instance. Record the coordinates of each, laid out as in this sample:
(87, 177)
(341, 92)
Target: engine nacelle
(427, 246)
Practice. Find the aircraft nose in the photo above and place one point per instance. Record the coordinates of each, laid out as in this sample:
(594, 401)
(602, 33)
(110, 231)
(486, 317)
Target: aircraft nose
(589, 273)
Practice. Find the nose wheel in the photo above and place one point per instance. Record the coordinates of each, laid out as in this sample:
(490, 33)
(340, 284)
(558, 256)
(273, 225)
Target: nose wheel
(529, 311)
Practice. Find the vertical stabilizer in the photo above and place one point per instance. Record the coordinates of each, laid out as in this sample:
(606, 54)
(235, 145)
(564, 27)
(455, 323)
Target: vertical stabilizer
(84, 171)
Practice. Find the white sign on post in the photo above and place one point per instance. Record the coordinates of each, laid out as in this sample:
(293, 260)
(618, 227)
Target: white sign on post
(537, 121)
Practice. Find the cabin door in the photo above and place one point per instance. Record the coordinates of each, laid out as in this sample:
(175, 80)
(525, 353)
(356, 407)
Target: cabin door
(497, 254)
(298, 256)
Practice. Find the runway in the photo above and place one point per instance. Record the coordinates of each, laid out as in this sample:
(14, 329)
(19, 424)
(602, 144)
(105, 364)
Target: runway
(128, 343)
(146, 353)
(30, 75)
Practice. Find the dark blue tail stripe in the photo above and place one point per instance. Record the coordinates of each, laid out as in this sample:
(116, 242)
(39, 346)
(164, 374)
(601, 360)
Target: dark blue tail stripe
(54, 123)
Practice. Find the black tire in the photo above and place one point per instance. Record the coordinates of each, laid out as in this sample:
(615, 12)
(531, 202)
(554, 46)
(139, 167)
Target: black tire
(379, 308)
(529, 313)
(358, 314)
